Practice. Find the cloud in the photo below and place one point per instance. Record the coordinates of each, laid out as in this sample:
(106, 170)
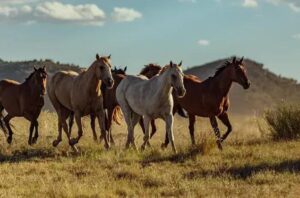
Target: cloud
(187, 1)
(3, 2)
(250, 3)
(125, 14)
(294, 5)
(89, 14)
(296, 36)
(203, 42)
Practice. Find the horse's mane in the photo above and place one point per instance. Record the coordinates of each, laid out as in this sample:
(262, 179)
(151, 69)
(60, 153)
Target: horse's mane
(192, 77)
(29, 77)
(222, 67)
(150, 66)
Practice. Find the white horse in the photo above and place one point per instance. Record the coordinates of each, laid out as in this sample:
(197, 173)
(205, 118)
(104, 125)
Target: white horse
(138, 96)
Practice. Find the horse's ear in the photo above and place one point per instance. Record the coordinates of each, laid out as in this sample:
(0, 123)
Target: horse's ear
(125, 68)
(234, 60)
(97, 57)
(109, 56)
(44, 68)
(241, 61)
(171, 63)
(35, 69)
(180, 64)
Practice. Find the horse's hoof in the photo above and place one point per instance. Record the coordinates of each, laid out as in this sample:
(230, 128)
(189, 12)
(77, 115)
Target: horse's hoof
(9, 139)
(73, 141)
(55, 143)
(163, 146)
(143, 147)
(34, 140)
(219, 145)
(95, 139)
(29, 142)
(107, 146)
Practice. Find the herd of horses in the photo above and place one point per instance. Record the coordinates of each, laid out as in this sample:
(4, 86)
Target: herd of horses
(105, 93)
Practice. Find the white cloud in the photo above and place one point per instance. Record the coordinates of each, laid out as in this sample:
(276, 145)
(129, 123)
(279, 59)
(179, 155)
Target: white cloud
(296, 36)
(250, 3)
(125, 14)
(294, 5)
(89, 14)
(187, 1)
(203, 42)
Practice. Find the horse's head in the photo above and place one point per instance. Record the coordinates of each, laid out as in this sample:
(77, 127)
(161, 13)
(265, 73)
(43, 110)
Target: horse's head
(119, 70)
(103, 70)
(40, 78)
(238, 73)
(151, 70)
(176, 78)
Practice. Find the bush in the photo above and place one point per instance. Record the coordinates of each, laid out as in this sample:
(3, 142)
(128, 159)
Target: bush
(284, 122)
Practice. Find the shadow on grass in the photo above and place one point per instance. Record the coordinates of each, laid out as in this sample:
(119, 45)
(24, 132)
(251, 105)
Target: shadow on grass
(156, 156)
(249, 170)
(27, 155)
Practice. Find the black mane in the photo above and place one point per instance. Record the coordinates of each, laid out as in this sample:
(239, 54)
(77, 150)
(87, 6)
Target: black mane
(220, 69)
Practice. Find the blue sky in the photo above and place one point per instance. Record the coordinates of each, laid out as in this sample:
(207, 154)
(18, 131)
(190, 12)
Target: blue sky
(137, 32)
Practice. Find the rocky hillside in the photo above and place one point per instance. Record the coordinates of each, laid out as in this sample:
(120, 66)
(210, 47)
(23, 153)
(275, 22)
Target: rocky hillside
(266, 89)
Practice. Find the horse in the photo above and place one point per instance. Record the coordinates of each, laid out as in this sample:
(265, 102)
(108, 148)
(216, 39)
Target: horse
(210, 98)
(151, 98)
(23, 100)
(80, 93)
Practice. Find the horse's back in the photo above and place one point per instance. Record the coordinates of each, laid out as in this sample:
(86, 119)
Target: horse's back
(8, 84)
(60, 86)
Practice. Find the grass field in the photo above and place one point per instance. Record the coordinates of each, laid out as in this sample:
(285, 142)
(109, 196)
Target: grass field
(251, 165)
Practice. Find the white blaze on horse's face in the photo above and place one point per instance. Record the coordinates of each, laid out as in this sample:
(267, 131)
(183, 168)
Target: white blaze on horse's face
(177, 79)
(104, 71)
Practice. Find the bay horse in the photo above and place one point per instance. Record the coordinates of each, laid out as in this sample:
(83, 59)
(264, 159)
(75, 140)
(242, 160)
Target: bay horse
(210, 98)
(109, 103)
(80, 93)
(23, 100)
(151, 98)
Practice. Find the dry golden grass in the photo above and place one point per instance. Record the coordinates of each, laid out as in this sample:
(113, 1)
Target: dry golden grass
(250, 165)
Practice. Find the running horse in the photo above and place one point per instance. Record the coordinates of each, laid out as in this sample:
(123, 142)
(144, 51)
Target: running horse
(23, 100)
(80, 93)
(210, 98)
(152, 98)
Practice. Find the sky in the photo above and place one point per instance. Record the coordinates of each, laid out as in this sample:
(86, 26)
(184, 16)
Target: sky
(137, 32)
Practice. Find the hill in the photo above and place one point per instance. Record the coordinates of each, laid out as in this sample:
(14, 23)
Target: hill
(266, 89)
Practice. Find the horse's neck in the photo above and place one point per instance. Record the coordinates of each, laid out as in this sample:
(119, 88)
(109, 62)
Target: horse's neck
(164, 88)
(32, 89)
(222, 84)
(91, 81)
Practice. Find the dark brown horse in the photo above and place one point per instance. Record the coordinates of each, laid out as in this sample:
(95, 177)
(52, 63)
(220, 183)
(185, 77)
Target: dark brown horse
(110, 105)
(23, 100)
(210, 97)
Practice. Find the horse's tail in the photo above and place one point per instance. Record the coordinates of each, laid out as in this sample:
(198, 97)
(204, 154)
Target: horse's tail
(182, 112)
(117, 115)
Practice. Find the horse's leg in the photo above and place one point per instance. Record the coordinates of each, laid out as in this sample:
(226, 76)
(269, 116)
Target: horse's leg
(134, 120)
(214, 124)
(192, 120)
(110, 112)
(169, 128)
(104, 134)
(153, 127)
(93, 119)
(74, 141)
(71, 122)
(31, 128)
(36, 134)
(141, 122)
(147, 135)
(225, 120)
(10, 132)
(59, 136)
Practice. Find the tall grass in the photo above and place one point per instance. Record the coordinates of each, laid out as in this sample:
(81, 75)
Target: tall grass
(284, 121)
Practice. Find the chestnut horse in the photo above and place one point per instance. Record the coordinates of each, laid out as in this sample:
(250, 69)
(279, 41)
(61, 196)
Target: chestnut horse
(80, 93)
(210, 97)
(109, 103)
(23, 100)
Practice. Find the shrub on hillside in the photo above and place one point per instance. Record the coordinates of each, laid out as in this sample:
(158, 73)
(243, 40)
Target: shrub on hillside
(284, 122)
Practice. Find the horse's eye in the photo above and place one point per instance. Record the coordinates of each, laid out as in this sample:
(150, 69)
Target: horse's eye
(101, 68)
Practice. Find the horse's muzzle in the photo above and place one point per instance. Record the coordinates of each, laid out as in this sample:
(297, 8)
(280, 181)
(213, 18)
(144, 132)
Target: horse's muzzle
(109, 83)
(180, 92)
(247, 85)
